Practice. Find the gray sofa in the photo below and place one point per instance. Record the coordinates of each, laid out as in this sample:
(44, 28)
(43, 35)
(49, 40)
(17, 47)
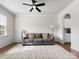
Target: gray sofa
(38, 39)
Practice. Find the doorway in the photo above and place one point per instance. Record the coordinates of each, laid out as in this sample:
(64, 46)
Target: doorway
(67, 28)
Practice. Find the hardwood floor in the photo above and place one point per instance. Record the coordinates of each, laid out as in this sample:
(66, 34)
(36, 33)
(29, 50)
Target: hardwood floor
(65, 46)
(4, 49)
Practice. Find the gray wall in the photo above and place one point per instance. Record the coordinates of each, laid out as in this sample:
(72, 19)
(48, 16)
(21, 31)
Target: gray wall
(36, 24)
(7, 39)
(73, 10)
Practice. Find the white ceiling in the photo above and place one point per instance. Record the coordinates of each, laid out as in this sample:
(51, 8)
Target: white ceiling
(52, 7)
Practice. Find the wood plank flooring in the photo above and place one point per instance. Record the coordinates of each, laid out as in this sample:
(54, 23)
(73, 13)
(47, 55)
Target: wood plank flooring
(4, 49)
(67, 46)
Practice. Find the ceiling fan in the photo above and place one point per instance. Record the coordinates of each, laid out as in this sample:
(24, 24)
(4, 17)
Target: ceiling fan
(34, 5)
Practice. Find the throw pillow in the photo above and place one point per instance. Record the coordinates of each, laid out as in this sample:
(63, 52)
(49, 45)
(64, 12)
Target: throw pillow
(44, 35)
(38, 35)
(49, 36)
(31, 35)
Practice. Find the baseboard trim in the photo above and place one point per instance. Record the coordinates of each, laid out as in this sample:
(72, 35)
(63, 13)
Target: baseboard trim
(6, 44)
(75, 49)
(67, 43)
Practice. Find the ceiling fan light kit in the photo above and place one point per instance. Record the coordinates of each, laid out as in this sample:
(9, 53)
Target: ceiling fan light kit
(35, 6)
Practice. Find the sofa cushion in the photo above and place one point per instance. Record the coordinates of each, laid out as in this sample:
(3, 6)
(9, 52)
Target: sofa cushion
(29, 40)
(31, 35)
(52, 36)
(38, 40)
(49, 35)
(45, 35)
(38, 35)
(46, 40)
(27, 36)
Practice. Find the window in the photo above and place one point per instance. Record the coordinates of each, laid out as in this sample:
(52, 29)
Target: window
(3, 25)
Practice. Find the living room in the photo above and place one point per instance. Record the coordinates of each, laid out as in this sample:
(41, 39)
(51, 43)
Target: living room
(17, 18)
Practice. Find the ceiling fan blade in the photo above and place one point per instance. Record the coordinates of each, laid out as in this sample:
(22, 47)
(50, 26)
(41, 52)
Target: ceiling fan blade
(31, 9)
(27, 4)
(41, 4)
(33, 1)
(38, 9)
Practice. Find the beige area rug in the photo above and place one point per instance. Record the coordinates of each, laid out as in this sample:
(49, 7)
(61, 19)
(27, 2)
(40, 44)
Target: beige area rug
(37, 52)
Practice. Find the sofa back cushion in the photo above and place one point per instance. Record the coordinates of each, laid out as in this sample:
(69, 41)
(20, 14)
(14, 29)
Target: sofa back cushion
(31, 35)
(49, 35)
(44, 35)
(38, 35)
(27, 36)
